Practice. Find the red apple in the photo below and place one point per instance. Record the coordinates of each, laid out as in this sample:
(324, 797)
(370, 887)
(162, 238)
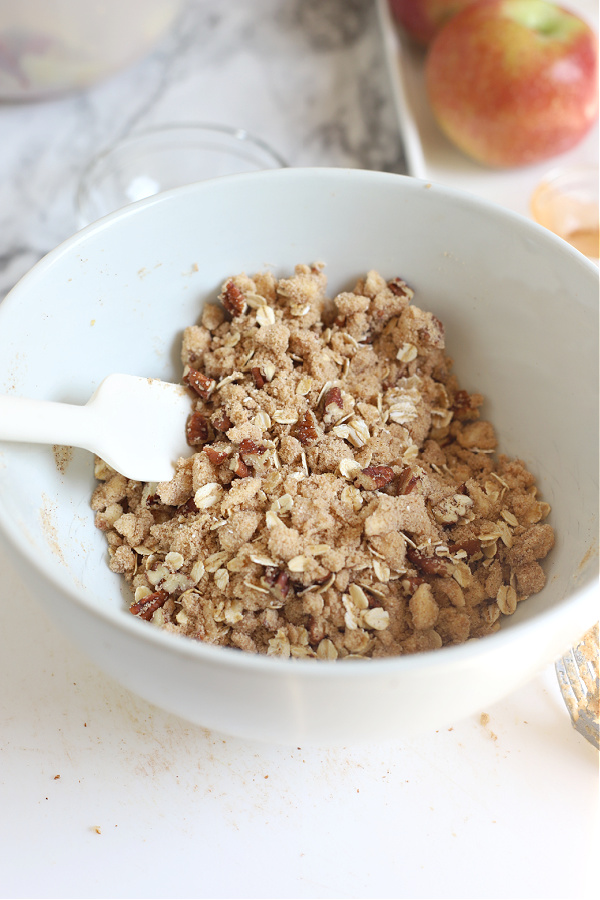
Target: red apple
(421, 19)
(513, 82)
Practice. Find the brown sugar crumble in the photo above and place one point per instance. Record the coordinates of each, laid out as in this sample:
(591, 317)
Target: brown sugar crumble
(343, 498)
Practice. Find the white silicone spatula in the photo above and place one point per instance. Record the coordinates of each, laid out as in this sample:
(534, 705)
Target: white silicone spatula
(136, 425)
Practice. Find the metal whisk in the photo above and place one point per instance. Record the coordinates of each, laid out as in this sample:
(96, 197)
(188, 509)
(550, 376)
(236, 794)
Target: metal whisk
(577, 673)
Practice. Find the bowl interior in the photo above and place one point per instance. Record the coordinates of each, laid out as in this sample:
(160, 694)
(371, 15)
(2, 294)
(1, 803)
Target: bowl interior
(520, 309)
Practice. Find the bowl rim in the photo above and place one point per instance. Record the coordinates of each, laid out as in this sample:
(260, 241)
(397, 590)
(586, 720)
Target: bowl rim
(581, 599)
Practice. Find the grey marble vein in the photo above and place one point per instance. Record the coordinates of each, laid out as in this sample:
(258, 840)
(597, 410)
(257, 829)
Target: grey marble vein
(307, 76)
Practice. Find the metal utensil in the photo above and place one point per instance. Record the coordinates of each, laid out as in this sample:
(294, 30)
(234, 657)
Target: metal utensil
(577, 673)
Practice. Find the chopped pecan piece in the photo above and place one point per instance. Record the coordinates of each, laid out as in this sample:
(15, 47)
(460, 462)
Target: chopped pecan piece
(271, 575)
(399, 287)
(239, 467)
(197, 429)
(216, 456)
(259, 378)
(466, 406)
(146, 608)
(255, 455)
(233, 299)
(221, 421)
(186, 508)
(333, 395)
(462, 400)
(278, 581)
(410, 484)
(200, 383)
(283, 584)
(374, 477)
(248, 447)
(433, 334)
(306, 430)
(430, 565)
(407, 481)
(333, 406)
(471, 546)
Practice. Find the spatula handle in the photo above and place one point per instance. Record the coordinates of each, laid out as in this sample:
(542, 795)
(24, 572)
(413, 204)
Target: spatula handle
(44, 422)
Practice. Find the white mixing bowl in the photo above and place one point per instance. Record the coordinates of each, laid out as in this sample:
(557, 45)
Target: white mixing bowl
(520, 308)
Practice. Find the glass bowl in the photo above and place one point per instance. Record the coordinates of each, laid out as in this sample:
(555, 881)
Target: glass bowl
(49, 47)
(566, 202)
(165, 157)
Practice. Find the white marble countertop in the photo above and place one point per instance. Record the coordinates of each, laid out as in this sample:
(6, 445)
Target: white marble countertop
(102, 795)
(306, 76)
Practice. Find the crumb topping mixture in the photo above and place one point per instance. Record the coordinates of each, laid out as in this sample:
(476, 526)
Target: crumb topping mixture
(343, 497)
